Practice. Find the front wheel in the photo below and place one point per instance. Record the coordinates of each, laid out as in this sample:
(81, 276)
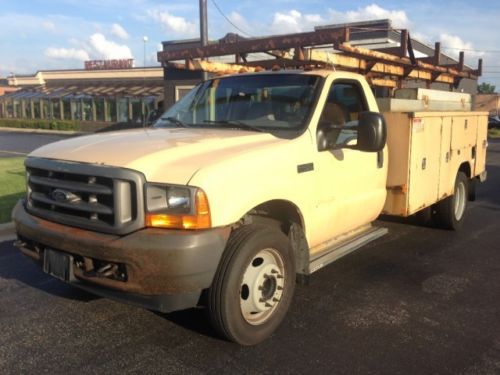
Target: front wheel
(450, 212)
(253, 287)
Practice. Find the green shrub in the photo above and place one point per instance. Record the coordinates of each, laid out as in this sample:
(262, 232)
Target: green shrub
(40, 124)
(494, 133)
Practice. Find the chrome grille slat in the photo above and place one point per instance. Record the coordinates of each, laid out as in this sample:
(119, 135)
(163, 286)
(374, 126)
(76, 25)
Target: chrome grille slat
(81, 205)
(72, 185)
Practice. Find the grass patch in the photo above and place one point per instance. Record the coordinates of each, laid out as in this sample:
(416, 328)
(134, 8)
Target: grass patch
(12, 187)
(494, 133)
(39, 124)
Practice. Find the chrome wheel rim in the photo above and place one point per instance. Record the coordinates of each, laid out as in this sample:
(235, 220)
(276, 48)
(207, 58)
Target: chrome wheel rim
(262, 286)
(460, 201)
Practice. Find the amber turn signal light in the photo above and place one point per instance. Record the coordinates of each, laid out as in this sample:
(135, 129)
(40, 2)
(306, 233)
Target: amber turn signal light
(200, 220)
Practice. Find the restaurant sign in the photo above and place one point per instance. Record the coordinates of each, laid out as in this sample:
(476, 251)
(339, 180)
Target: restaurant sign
(109, 64)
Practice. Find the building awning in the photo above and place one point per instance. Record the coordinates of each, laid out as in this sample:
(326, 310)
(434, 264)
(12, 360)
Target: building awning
(75, 91)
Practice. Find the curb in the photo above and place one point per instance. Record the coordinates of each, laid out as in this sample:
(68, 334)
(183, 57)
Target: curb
(7, 232)
(43, 131)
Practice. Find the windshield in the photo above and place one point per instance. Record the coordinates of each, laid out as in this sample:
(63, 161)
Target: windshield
(262, 102)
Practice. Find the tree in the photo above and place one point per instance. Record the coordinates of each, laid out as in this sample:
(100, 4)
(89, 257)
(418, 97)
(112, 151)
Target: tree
(486, 88)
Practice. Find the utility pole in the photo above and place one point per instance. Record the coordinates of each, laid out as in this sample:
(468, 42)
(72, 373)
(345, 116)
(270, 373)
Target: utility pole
(203, 23)
(204, 28)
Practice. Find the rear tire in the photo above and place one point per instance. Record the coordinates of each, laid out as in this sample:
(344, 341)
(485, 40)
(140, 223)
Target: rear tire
(450, 212)
(253, 286)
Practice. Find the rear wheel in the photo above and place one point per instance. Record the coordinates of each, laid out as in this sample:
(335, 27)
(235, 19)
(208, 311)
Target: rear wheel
(253, 286)
(450, 212)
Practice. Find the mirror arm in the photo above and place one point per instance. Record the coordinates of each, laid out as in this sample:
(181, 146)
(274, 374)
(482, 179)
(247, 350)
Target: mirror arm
(351, 147)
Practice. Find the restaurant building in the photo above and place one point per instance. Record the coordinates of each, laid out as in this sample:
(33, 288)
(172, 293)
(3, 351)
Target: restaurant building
(103, 92)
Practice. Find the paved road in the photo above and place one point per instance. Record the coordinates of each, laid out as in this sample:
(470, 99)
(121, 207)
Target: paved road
(19, 144)
(417, 301)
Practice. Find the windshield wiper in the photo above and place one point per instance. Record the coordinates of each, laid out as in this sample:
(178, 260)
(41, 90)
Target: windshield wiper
(236, 124)
(174, 121)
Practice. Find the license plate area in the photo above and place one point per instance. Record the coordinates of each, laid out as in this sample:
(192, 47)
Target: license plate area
(58, 264)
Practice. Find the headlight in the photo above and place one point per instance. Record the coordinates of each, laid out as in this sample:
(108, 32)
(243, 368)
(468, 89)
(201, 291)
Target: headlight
(179, 207)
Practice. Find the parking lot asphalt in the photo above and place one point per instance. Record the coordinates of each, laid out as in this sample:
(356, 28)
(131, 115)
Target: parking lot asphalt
(417, 301)
(14, 143)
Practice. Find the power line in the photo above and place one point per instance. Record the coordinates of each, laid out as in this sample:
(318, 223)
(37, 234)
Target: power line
(365, 29)
(473, 50)
(228, 20)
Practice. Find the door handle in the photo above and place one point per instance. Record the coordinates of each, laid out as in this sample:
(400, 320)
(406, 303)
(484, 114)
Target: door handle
(380, 159)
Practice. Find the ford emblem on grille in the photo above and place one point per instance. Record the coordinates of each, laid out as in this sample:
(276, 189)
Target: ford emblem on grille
(64, 196)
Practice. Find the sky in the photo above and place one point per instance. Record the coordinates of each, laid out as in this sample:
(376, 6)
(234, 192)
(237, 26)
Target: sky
(62, 34)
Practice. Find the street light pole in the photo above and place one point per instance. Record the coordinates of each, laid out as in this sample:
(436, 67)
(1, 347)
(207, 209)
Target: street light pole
(145, 40)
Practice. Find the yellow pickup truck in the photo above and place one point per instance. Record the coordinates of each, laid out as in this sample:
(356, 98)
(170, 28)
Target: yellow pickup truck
(248, 183)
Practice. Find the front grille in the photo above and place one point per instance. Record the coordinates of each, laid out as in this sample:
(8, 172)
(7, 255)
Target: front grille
(99, 198)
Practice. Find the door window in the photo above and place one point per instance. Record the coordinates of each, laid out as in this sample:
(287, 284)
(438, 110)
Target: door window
(344, 103)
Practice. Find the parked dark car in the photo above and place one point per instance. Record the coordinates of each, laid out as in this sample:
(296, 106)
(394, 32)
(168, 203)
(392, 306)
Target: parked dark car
(493, 122)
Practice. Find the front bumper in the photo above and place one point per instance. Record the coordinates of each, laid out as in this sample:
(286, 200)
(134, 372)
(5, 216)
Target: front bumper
(166, 270)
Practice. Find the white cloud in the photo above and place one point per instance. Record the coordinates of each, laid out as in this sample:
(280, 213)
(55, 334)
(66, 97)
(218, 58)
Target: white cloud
(240, 21)
(293, 22)
(97, 47)
(178, 26)
(48, 26)
(118, 31)
(107, 49)
(453, 44)
(67, 53)
(454, 41)
(371, 12)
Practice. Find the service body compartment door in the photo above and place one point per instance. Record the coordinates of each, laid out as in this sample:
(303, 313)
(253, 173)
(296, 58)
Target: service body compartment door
(446, 180)
(482, 142)
(424, 162)
(463, 133)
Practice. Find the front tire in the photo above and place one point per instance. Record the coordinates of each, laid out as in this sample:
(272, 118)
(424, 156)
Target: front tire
(253, 286)
(450, 212)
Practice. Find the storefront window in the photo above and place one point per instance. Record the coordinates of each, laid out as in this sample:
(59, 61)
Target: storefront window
(17, 108)
(149, 110)
(56, 109)
(111, 110)
(66, 109)
(122, 110)
(136, 110)
(27, 108)
(76, 109)
(46, 109)
(99, 109)
(87, 109)
(36, 109)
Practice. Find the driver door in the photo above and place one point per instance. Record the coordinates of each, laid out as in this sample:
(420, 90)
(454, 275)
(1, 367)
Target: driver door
(350, 184)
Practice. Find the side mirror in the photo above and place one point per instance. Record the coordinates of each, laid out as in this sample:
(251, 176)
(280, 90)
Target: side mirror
(372, 132)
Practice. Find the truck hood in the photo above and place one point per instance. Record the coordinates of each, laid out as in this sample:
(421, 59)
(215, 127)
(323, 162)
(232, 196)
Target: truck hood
(162, 155)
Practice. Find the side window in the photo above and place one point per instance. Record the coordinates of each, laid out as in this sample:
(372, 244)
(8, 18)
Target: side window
(344, 103)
